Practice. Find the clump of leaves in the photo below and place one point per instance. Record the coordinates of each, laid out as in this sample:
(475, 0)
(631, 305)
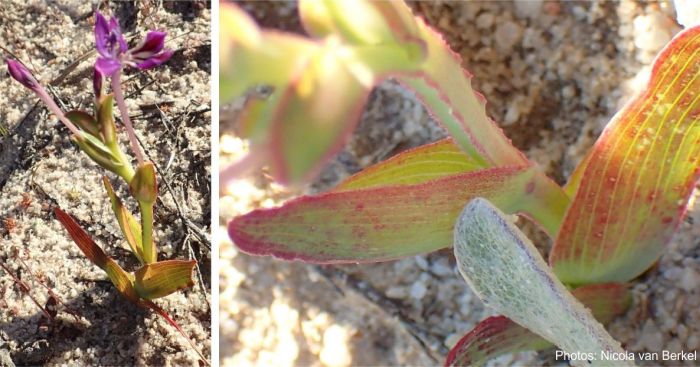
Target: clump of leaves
(95, 134)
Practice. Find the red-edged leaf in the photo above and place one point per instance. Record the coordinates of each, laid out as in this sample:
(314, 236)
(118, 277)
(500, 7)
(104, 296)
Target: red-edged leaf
(163, 278)
(380, 223)
(314, 117)
(499, 335)
(81, 238)
(638, 178)
(491, 338)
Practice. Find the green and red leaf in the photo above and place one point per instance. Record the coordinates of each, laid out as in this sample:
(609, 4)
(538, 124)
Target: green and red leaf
(495, 336)
(381, 222)
(163, 278)
(635, 184)
(85, 121)
(499, 335)
(418, 165)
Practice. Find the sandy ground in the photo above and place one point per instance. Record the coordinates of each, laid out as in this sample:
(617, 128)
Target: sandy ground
(553, 73)
(41, 168)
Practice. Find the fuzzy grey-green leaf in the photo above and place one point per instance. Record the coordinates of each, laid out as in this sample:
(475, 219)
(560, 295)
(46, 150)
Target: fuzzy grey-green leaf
(507, 272)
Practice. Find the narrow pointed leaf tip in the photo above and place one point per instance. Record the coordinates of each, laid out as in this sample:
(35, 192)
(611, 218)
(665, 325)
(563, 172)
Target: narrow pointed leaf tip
(633, 187)
(20, 73)
(507, 272)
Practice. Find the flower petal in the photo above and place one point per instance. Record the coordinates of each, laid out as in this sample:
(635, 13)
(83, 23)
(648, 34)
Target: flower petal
(116, 33)
(101, 34)
(21, 74)
(155, 60)
(153, 44)
(107, 65)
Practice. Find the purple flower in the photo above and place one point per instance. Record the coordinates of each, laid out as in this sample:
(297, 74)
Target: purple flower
(22, 75)
(114, 52)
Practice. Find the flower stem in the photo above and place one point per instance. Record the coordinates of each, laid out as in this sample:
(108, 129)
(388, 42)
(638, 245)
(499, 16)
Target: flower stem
(53, 107)
(119, 97)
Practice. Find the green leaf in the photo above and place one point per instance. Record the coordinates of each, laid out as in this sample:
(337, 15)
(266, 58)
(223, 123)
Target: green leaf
(105, 120)
(98, 152)
(633, 187)
(144, 188)
(325, 98)
(129, 226)
(382, 223)
(507, 272)
(250, 57)
(163, 278)
(363, 22)
(123, 281)
(418, 165)
(499, 335)
(84, 121)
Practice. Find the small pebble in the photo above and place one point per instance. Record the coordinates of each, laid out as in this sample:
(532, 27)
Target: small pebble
(396, 292)
(507, 35)
(439, 268)
(418, 290)
(421, 262)
(690, 280)
(651, 339)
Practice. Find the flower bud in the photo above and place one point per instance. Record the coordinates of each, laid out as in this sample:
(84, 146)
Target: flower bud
(22, 75)
(97, 80)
